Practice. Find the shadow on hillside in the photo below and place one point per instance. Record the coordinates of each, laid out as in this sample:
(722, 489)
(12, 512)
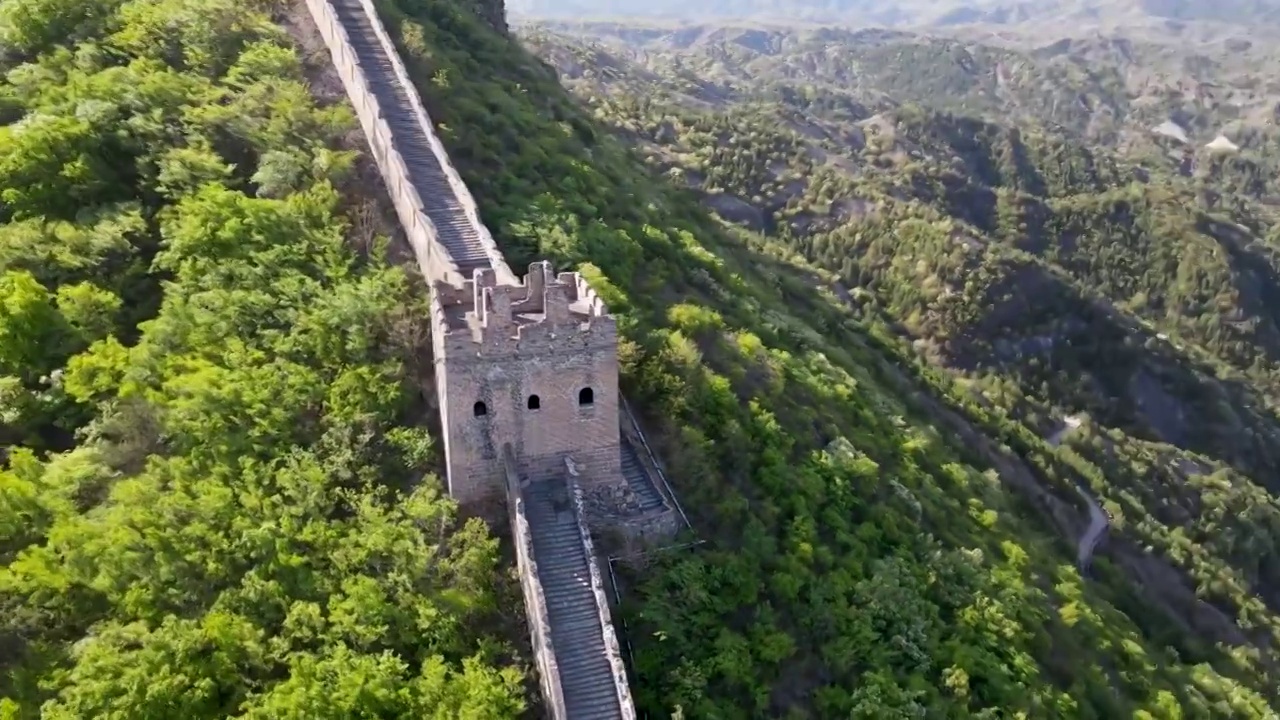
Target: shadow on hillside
(1085, 354)
(1258, 281)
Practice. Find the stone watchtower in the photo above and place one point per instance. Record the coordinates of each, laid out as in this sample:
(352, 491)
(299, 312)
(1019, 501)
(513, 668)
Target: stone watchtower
(533, 366)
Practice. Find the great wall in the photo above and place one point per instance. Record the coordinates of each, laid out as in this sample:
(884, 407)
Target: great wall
(527, 383)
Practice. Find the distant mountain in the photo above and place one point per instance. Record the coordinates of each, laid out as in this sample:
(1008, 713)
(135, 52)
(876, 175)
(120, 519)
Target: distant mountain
(918, 12)
(1115, 90)
(678, 9)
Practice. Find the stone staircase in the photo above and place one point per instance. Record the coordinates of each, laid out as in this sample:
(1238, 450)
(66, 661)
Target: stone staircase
(586, 676)
(638, 478)
(453, 228)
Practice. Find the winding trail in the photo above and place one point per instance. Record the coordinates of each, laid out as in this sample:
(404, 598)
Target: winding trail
(1099, 523)
(1098, 520)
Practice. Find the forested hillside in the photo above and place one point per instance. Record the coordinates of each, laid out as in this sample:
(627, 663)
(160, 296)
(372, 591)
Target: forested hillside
(213, 501)
(864, 558)
(941, 13)
(1158, 97)
(1074, 290)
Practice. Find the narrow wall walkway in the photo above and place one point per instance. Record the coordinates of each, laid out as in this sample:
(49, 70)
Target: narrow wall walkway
(453, 228)
(588, 680)
(573, 638)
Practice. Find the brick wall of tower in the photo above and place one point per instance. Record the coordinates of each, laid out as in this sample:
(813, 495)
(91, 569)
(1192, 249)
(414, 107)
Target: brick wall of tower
(511, 361)
(541, 438)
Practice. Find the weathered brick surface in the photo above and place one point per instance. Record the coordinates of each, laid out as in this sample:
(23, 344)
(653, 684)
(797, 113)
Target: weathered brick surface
(541, 343)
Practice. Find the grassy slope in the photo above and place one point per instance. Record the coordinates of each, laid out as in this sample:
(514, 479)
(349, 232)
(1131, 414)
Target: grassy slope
(890, 577)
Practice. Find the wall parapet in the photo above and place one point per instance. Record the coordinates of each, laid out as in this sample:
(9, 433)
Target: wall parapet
(544, 313)
(535, 600)
(434, 259)
(632, 430)
(613, 647)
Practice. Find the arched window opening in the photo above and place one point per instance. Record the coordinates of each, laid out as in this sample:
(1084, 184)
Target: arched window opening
(586, 396)
(534, 402)
(480, 409)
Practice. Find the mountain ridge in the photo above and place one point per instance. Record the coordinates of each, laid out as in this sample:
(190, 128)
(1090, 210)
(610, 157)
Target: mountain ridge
(918, 13)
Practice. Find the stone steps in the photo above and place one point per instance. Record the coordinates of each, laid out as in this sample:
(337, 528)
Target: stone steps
(577, 632)
(454, 229)
(638, 479)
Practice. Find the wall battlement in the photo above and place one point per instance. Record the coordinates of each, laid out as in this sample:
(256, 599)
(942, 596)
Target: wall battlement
(533, 364)
(546, 313)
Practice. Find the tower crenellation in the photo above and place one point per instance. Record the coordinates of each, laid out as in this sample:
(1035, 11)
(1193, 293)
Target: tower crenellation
(533, 365)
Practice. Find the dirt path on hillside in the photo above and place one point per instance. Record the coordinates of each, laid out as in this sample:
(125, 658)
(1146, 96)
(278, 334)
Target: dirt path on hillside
(1012, 468)
(1098, 520)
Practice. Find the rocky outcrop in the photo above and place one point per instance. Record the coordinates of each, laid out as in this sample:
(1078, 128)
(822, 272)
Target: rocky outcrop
(493, 12)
